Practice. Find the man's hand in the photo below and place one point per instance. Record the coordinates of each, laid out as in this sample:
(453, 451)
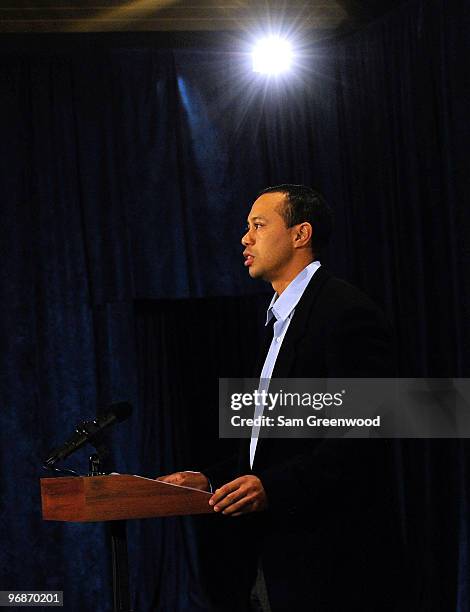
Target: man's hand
(196, 480)
(240, 496)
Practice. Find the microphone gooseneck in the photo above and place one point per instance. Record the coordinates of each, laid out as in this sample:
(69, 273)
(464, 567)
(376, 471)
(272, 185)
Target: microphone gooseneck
(88, 431)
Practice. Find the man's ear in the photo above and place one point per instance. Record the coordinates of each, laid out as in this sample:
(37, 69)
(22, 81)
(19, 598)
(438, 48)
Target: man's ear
(303, 235)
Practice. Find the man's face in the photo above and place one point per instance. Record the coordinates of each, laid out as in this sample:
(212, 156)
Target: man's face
(268, 242)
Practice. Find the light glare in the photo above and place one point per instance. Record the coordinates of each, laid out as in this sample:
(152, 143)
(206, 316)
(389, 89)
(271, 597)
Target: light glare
(272, 55)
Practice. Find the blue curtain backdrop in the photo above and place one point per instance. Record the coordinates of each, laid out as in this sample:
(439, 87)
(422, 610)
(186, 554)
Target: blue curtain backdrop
(127, 168)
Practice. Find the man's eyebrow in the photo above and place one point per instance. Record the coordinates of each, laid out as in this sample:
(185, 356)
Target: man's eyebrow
(257, 218)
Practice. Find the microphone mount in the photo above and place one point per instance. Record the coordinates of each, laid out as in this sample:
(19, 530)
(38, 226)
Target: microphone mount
(90, 432)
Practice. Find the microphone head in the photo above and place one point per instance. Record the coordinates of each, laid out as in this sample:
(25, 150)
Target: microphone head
(121, 410)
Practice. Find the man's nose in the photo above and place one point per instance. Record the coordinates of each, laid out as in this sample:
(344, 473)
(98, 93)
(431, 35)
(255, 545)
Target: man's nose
(247, 239)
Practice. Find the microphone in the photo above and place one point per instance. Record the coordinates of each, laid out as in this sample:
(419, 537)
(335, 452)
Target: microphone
(86, 431)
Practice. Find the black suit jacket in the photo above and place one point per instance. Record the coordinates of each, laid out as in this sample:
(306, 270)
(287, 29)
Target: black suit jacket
(327, 540)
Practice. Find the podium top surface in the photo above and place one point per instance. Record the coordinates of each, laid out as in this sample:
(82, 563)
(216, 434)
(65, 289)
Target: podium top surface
(117, 497)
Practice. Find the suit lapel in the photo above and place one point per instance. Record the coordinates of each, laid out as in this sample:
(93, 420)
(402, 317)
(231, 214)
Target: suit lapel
(295, 331)
(299, 322)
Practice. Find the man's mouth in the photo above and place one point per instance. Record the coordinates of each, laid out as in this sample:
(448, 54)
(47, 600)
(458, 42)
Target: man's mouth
(248, 259)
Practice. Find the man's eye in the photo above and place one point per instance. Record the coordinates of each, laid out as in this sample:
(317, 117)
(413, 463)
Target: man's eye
(256, 225)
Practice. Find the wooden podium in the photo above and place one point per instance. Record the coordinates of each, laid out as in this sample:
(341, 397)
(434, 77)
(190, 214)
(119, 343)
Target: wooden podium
(117, 497)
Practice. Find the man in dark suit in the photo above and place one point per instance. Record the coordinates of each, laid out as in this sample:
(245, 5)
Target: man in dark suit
(321, 509)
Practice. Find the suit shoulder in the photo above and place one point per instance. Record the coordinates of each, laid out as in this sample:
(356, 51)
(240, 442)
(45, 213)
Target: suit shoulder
(341, 295)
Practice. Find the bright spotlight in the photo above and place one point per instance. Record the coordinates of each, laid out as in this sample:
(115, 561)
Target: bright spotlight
(272, 55)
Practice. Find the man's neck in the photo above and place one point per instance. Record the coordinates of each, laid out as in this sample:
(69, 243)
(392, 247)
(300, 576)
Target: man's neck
(280, 285)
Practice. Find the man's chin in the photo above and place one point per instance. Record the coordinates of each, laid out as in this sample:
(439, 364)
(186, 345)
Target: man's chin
(256, 273)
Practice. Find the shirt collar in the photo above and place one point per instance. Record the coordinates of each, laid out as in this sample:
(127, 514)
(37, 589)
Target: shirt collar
(281, 306)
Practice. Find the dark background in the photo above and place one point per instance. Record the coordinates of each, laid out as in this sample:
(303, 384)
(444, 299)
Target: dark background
(128, 165)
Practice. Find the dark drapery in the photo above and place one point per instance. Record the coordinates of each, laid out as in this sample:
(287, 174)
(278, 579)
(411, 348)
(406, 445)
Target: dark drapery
(127, 169)
(183, 347)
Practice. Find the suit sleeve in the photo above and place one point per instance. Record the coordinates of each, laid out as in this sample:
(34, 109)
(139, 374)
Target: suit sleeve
(222, 472)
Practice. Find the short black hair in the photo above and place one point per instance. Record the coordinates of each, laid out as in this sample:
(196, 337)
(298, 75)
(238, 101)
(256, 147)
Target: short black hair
(306, 204)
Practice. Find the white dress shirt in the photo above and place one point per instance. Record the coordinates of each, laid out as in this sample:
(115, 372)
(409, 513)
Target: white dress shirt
(282, 307)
